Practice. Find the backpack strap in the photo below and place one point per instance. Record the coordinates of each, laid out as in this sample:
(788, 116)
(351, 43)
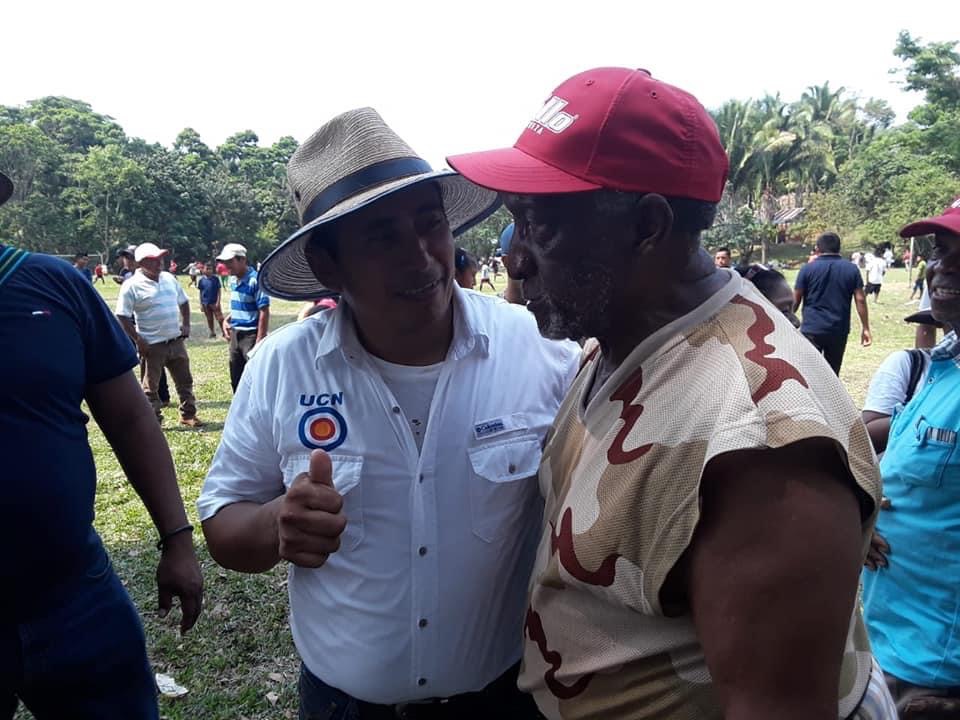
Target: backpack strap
(10, 260)
(917, 363)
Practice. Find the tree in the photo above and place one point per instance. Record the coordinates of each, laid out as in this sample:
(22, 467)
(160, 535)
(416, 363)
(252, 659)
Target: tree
(933, 69)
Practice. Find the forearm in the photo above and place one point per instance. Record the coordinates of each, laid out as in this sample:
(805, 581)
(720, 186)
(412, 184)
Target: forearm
(138, 442)
(185, 315)
(244, 536)
(129, 328)
(861, 304)
(879, 431)
(263, 323)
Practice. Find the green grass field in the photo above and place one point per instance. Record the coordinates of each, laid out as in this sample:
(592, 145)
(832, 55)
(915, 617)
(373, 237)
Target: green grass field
(239, 660)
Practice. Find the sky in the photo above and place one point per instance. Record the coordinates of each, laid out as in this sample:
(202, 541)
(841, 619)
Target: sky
(449, 76)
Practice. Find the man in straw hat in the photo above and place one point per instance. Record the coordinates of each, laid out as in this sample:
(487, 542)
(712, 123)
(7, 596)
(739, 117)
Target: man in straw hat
(710, 487)
(71, 644)
(363, 448)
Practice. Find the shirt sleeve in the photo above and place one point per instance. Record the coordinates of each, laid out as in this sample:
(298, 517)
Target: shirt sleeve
(125, 300)
(263, 300)
(108, 352)
(924, 299)
(888, 386)
(247, 465)
(181, 295)
(801, 283)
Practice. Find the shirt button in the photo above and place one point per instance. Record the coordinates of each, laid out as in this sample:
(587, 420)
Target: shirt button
(512, 469)
(421, 682)
(421, 478)
(422, 551)
(396, 408)
(422, 623)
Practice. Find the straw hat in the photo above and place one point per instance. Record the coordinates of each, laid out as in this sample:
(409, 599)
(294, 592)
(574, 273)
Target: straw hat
(349, 163)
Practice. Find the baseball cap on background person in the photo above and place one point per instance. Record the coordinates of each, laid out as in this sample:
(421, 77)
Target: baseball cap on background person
(148, 250)
(6, 188)
(129, 251)
(232, 250)
(349, 163)
(505, 238)
(948, 221)
(612, 128)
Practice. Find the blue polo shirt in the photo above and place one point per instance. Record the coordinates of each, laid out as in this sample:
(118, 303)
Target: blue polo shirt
(828, 284)
(912, 607)
(60, 338)
(246, 299)
(209, 289)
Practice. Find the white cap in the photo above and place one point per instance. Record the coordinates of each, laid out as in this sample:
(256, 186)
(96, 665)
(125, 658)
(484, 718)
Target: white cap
(148, 250)
(232, 250)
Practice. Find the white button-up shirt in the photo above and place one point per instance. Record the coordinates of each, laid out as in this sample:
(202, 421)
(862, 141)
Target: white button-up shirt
(426, 595)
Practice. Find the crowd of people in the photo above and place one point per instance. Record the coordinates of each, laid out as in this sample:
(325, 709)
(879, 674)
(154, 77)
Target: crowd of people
(665, 510)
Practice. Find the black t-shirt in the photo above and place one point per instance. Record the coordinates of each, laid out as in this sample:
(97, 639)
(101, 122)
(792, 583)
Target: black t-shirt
(58, 337)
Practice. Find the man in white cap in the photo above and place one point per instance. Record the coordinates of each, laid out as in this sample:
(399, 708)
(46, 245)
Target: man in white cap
(410, 544)
(71, 643)
(154, 311)
(249, 317)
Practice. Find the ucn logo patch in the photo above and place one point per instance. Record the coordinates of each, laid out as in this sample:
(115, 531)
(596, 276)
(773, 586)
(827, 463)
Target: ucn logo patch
(322, 428)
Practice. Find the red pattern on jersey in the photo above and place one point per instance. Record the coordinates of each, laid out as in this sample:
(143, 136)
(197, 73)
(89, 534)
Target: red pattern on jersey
(778, 370)
(630, 413)
(534, 630)
(563, 543)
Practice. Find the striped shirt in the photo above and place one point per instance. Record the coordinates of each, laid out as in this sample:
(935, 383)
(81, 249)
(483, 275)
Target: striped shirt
(246, 299)
(154, 305)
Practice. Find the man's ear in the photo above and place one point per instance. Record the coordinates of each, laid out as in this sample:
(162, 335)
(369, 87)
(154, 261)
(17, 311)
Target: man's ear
(324, 267)
(653, 224)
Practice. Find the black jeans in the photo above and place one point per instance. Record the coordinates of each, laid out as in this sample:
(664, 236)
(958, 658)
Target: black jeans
(832, 347)
(241, 343)
(501, 699)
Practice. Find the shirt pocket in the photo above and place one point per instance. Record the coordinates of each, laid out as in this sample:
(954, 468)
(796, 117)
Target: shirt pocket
(933, 447)
(502, 486)
(347, 473)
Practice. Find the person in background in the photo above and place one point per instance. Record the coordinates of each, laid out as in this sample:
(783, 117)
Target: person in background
(722, 258)
(921, 270)
(80, 263)
(825, 288)
(173, 267)
(710, 489)
(155, 312)
(249, 318)
(308, 309)
(465, 269)
(71, 642)
(210, 288)
(98, 273)
(485, 276)
(773, 286)
(876, 269)
(512, 293)
(910, 599)
(224, 272)
(128, 265)
(194, 271)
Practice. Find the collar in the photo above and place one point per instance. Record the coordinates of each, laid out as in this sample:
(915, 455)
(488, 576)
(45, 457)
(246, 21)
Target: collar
(470, 330)
(946, 349)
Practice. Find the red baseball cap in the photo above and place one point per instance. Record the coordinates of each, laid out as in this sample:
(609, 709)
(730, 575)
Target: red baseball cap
(612, 128)
(949, 222)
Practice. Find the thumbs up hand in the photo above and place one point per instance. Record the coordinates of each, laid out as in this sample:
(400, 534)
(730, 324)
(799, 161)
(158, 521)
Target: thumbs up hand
(311, 520)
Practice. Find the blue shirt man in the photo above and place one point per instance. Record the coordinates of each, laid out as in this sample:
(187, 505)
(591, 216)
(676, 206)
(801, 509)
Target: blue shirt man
(80, 261)
(825, 287)
(62, 602)
(249, 317)
(209, 290)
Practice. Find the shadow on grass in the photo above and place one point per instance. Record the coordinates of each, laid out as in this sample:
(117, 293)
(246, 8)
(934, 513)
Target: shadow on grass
(207, 427)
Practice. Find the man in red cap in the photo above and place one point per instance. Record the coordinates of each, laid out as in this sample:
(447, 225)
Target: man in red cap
(710, 487)
(910, 602)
